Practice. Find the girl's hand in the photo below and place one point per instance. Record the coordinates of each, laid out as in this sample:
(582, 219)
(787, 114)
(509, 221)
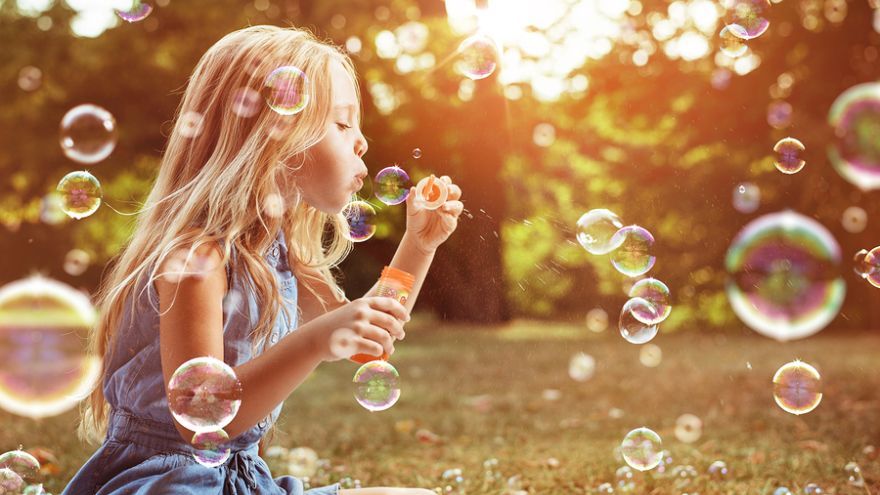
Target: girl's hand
(367, 325)
(430, 228)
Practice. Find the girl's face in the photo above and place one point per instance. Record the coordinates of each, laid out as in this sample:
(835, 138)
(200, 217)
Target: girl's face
(333, 169)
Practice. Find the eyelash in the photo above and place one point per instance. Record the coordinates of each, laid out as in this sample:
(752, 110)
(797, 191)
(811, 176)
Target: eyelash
(343, 126)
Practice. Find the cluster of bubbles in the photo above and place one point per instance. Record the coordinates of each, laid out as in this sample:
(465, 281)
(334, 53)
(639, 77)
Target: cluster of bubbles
(87, 135)
(797, 387)
(783, 276)
(392, 186)
(867, 265)
(44, 366)
(19, 473)
(601, 231)
(204, 395)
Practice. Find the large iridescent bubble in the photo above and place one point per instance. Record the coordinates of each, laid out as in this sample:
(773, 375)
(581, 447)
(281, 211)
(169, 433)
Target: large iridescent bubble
(479, 56)
(286, 90)
(784, 276)
(596, 229)
(204, 394)
(377, 385)
(855, 151)
(392, 185)
(45, 368)
(634, 254)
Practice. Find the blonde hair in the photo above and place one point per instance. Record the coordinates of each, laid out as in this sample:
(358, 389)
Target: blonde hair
(212, 187)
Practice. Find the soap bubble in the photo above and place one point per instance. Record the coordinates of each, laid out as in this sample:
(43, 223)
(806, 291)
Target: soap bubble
(479, 56)
(634, 253)
(789, 155)
(784, 279)
(10, 482)
(88, 133)
(650, 355)
(135, 11)
(779, 114)
(782, 490)
(656, 293)
(605, 488)
(212, 447)
(392, 185)
(688, 428)
(76, 262)
(813, 489)
(377, 385)
(854, 475)
(431, 192)
(597, 320)
(204, 394)
(872, 260)
(245, 102)
(855, 151)
(30, 78)
(748, 17)
(581, 367)
(718, 470)
(596, 229)
(190, 124)
(22, 463)
(746, 197)
(286, 90)
(80, 194)
(417, 153)
(854, 219)
(44, 366)
(624, 477)
(733, 44)
(641, 449)
(361, 217)
(860, 264)
(632, 329)
(797, 387)
(544, 134)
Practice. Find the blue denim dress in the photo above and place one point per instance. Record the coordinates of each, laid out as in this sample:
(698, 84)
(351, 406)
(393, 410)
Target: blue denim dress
(143, 452)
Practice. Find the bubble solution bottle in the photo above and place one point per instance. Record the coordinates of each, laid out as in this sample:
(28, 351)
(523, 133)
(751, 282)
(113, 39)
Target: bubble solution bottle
(392, 283)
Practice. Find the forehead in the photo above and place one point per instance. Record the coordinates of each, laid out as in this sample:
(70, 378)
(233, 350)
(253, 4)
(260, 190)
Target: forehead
(342, 85)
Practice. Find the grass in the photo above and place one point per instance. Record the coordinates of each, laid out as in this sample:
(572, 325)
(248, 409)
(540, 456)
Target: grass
(567, 445)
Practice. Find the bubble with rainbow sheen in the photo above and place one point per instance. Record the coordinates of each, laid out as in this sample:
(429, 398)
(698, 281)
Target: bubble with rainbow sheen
(797, 387)
(23, 463)
(642, 449)
(45, 368)
(784, 277)
(361, 218)
(655, 292)
(749, 17)
(855, 150)
(746, 197)
(10, 482)
(211, 447)
(632, 329)
(872, 260)
(88, 133)
(80, 194)
(392, 185)
(595, 231)
(634, 255)
(733, 42)
(286, 90)
(204, 394)
(789, 155)
(479, 56)
(377, 385)
(134, 11)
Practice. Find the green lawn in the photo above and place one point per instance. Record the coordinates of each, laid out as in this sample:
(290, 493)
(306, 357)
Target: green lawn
(723, 379)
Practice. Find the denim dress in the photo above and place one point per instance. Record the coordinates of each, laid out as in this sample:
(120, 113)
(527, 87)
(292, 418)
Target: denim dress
(143, 452)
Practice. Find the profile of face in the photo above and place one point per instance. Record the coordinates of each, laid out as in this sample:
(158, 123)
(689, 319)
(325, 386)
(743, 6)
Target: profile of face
(334, 169)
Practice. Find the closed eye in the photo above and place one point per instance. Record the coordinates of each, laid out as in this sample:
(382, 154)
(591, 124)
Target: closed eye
(343, 125)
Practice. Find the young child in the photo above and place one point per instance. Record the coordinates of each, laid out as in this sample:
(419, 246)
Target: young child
(216, 267)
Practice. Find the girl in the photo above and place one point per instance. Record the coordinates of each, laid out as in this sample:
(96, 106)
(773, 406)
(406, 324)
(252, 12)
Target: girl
(218, 267)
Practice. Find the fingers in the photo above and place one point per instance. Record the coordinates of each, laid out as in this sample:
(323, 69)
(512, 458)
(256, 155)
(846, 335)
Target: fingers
(380, 336)
(389, 323)
(389, 305)
(454, 192)
(454, 208)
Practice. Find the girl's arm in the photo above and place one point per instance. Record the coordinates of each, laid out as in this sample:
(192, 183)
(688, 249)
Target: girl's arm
(409, 258)
(191, 325)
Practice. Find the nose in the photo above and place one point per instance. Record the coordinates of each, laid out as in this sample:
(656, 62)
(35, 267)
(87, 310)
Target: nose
(360, 145)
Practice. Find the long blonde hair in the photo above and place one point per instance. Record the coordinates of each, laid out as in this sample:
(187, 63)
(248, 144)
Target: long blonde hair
(212, 186)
